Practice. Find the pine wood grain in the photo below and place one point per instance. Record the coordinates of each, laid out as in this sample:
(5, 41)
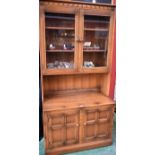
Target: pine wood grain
(71, 100)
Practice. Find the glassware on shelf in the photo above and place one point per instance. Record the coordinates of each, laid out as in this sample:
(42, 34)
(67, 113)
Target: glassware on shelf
(64, 33)
(87, 44)
(51, 46)
(69, 46)
(88, 64)
(64, 47)
(96, 47)
(50, 65)
(60, 65)
(60, 40)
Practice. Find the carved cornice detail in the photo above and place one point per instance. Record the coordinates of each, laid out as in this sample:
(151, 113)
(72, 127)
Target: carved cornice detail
(83, 6)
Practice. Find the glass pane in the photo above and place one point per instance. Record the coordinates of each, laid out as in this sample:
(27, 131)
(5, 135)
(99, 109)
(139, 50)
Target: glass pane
(96, 30)
(60, 40)
(95, 1)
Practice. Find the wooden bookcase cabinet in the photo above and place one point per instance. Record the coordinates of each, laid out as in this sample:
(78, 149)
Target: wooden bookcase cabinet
(75, 56)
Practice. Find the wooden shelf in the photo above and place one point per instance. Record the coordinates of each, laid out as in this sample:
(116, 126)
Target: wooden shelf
(91, 51)
(72, 99)
(94, 70)
(98, 51)
(95, 29)
(54, 71)
(72, 71)
(59, 51)
(59, 28)
(59, 17)
(66, 36)
(95, 21)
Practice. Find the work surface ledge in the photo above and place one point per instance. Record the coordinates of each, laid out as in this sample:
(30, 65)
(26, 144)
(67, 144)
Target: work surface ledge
(75, 100)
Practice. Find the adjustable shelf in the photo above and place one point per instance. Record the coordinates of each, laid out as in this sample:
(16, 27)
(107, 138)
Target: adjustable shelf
(94, 50)
(59, 51)
(95, 29)
(59, 28)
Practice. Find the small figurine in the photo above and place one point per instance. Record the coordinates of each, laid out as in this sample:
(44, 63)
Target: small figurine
(69, 46)
(87, 44)
(50, 65)
(88, 64)
(65, 48)
(96, 46)
(51, 46)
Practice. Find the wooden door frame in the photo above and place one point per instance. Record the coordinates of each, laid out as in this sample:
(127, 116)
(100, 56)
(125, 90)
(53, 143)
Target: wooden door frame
(109, 13)
(68, 10)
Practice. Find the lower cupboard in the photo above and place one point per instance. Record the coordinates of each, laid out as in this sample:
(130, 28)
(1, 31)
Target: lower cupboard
(77, 129)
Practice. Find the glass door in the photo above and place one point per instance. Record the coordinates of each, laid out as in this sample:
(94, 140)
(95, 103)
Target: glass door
(60, 41)
(95, 44)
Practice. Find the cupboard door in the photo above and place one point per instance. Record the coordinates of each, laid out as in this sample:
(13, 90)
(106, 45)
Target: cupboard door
(96, 40)
(58, 45)
(62, 128)
(97, 123)
(95, 45)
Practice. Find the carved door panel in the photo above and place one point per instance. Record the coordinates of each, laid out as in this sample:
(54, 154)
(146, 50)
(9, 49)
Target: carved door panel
(62, 128)
(97, 123)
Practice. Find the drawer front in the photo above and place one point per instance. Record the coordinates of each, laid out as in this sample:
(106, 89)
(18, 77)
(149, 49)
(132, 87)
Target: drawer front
(61, 128)
(97, 123)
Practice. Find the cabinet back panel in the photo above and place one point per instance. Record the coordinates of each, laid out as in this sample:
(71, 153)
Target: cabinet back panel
(69, 82)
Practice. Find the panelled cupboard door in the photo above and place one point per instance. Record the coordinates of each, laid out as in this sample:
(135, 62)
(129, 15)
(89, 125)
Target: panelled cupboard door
(61, 128)
(57, 40)
(97, 123)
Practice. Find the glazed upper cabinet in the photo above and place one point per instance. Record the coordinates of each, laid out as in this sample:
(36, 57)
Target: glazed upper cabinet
(75, 40)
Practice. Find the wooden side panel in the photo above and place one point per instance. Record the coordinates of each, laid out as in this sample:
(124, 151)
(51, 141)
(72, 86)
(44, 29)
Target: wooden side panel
(107, 78)
(42, 38)
(68, 82)
(113, 69)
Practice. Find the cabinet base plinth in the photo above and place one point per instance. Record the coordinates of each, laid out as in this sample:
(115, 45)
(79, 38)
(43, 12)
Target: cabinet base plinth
(79, 147)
